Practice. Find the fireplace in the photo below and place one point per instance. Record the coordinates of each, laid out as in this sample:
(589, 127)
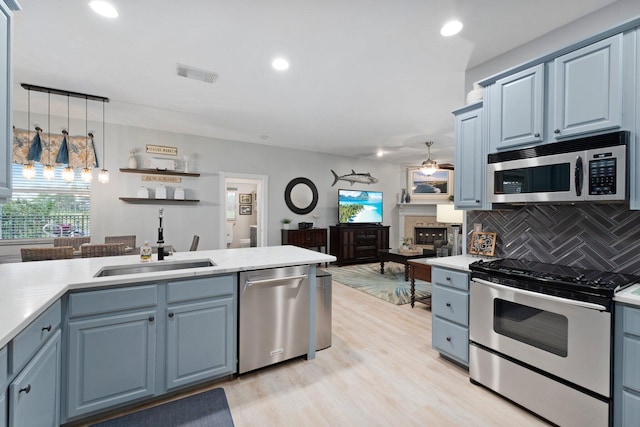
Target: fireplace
(428, 235)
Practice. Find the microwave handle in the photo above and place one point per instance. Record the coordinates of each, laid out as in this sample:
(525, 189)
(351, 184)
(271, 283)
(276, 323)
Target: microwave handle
(578, 177)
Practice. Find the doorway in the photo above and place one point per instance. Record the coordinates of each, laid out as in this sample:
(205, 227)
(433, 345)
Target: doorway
(244, 211)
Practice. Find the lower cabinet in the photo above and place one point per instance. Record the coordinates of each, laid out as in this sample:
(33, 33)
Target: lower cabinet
(136, 342)
(450, 314)
(3, 409)
(200, 330)
(626, 387)
(34, 398)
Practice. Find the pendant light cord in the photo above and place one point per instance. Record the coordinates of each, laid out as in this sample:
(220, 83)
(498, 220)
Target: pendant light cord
(86, 132)
(104, 139)
(49, 128)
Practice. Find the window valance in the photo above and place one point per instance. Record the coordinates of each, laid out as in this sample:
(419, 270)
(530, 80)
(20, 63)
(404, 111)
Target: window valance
(55, 149)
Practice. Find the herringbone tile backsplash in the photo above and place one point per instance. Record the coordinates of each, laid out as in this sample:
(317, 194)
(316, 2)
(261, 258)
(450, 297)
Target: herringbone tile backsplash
(601, 237)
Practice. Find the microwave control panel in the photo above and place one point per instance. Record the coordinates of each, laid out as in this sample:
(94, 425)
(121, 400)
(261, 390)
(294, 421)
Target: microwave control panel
(602, 175)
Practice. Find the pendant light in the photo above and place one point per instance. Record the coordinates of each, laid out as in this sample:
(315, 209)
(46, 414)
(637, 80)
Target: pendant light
(68, 175)
(87, 176)
(48, 171)
(103, 176)
(429, 166)
(29, 169)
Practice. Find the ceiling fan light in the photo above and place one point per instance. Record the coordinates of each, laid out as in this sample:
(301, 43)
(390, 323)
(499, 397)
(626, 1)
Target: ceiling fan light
(429, 167)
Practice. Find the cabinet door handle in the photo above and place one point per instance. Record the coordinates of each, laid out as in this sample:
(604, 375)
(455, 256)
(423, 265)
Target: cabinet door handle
(449, 339)
(557, 131)
(537, 135)
(27, 389)
(447, 278)
(47, 328)
(477, 201)
(171, 314)
(151, 318)
(448, 304)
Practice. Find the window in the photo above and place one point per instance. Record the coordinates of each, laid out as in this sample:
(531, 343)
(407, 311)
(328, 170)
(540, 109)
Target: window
(41, 208)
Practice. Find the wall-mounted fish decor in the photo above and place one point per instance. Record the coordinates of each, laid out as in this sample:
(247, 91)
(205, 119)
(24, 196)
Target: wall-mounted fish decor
(363, 178)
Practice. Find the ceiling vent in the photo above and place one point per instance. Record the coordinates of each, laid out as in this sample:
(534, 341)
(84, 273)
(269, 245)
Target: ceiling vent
(196, 74)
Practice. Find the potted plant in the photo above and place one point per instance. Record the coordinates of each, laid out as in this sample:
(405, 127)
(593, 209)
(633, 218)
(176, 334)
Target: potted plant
(286, 223)
(406, 242)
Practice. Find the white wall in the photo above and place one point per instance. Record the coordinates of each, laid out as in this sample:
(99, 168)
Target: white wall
(608, 17)
(209, 157)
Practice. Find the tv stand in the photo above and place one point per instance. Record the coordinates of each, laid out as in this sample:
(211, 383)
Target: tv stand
(357, 243)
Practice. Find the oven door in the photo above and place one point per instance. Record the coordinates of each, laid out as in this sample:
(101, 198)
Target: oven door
(557, 178)
(565, 338)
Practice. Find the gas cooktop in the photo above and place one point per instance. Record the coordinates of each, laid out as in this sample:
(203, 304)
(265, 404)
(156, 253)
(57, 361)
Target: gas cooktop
(557, 276)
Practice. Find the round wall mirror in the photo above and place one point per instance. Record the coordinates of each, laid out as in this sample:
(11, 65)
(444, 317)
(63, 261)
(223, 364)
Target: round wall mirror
(301, 196)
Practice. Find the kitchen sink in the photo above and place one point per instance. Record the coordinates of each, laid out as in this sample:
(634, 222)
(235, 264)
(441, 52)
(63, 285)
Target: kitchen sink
(152, 267)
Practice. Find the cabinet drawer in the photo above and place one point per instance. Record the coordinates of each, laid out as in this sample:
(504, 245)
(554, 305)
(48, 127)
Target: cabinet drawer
(630, 358)
(631, 320)
(454, 279)
(206, 287)
(108, 300)
(451, 339)
(27, 342)
(630, 409)
(450, 304)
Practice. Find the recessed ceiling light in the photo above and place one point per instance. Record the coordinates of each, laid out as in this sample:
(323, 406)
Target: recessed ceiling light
(280, 64)
(104, 9)
(451, 28)
(380, 153)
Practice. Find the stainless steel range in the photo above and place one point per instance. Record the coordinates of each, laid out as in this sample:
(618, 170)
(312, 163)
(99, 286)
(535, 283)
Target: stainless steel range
(541, 335)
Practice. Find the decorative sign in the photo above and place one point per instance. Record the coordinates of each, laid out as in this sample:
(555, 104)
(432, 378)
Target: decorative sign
(156, 178)
(161, 149)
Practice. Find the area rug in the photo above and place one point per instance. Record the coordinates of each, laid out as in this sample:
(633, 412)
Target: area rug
(209, 409)
(389, 286)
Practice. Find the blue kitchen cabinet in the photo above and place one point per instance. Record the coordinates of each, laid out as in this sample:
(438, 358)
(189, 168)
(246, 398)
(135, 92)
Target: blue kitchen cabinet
(4, 371)
(470, 158)
(5, 98)
(450, 314)
(111, 348)
(626, 381)
(588, 89)
(34, 397)
(517, 109)
(200, 330)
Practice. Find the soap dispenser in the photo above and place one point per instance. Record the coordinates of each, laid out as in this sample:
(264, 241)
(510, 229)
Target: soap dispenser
(145, 252)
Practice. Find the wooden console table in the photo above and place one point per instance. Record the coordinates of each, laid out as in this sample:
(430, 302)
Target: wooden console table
(309, 238)
(419, 269)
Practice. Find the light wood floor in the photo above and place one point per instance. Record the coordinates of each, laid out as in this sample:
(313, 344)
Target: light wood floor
(379, 371)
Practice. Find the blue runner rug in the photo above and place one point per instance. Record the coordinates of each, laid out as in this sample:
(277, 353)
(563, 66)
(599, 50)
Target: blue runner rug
(208, 409)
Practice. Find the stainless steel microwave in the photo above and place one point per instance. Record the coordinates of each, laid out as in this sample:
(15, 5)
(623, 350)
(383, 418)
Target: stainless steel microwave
(592, 168)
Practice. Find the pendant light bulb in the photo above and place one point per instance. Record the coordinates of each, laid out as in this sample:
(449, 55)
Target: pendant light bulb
(86, 175)
(68, 174)
(103, 176)
(29, 171)
(48, 172)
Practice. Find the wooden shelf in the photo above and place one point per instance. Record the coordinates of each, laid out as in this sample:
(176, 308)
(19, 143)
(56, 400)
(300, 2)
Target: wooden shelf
(142, 200)
(159, 172)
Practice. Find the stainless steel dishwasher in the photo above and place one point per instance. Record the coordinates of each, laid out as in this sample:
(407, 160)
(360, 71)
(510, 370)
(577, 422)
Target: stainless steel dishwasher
(274, 316)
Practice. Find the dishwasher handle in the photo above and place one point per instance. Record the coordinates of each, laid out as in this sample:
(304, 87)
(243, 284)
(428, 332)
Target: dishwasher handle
(275, 279)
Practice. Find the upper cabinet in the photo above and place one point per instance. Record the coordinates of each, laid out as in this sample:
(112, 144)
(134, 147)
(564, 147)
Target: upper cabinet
(469, 183)
(561, 97)
(5, 101)
(517, 109)
(588, 89)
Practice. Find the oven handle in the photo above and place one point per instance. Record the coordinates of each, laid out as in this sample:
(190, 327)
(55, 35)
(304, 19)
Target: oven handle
(582, 304)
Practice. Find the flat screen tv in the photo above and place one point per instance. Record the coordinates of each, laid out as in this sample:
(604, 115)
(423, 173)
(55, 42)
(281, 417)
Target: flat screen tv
(359, 207)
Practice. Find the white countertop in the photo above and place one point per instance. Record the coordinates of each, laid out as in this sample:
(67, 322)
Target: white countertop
(457, 262)
(27, 289)
(630, 295)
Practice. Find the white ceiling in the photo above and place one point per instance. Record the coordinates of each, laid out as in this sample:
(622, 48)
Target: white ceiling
(365, 74)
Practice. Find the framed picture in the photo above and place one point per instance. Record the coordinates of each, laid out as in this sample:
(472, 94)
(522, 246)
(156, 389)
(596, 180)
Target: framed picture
(246, 210)
(245, 199)
(436, 186)
(482, 243)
